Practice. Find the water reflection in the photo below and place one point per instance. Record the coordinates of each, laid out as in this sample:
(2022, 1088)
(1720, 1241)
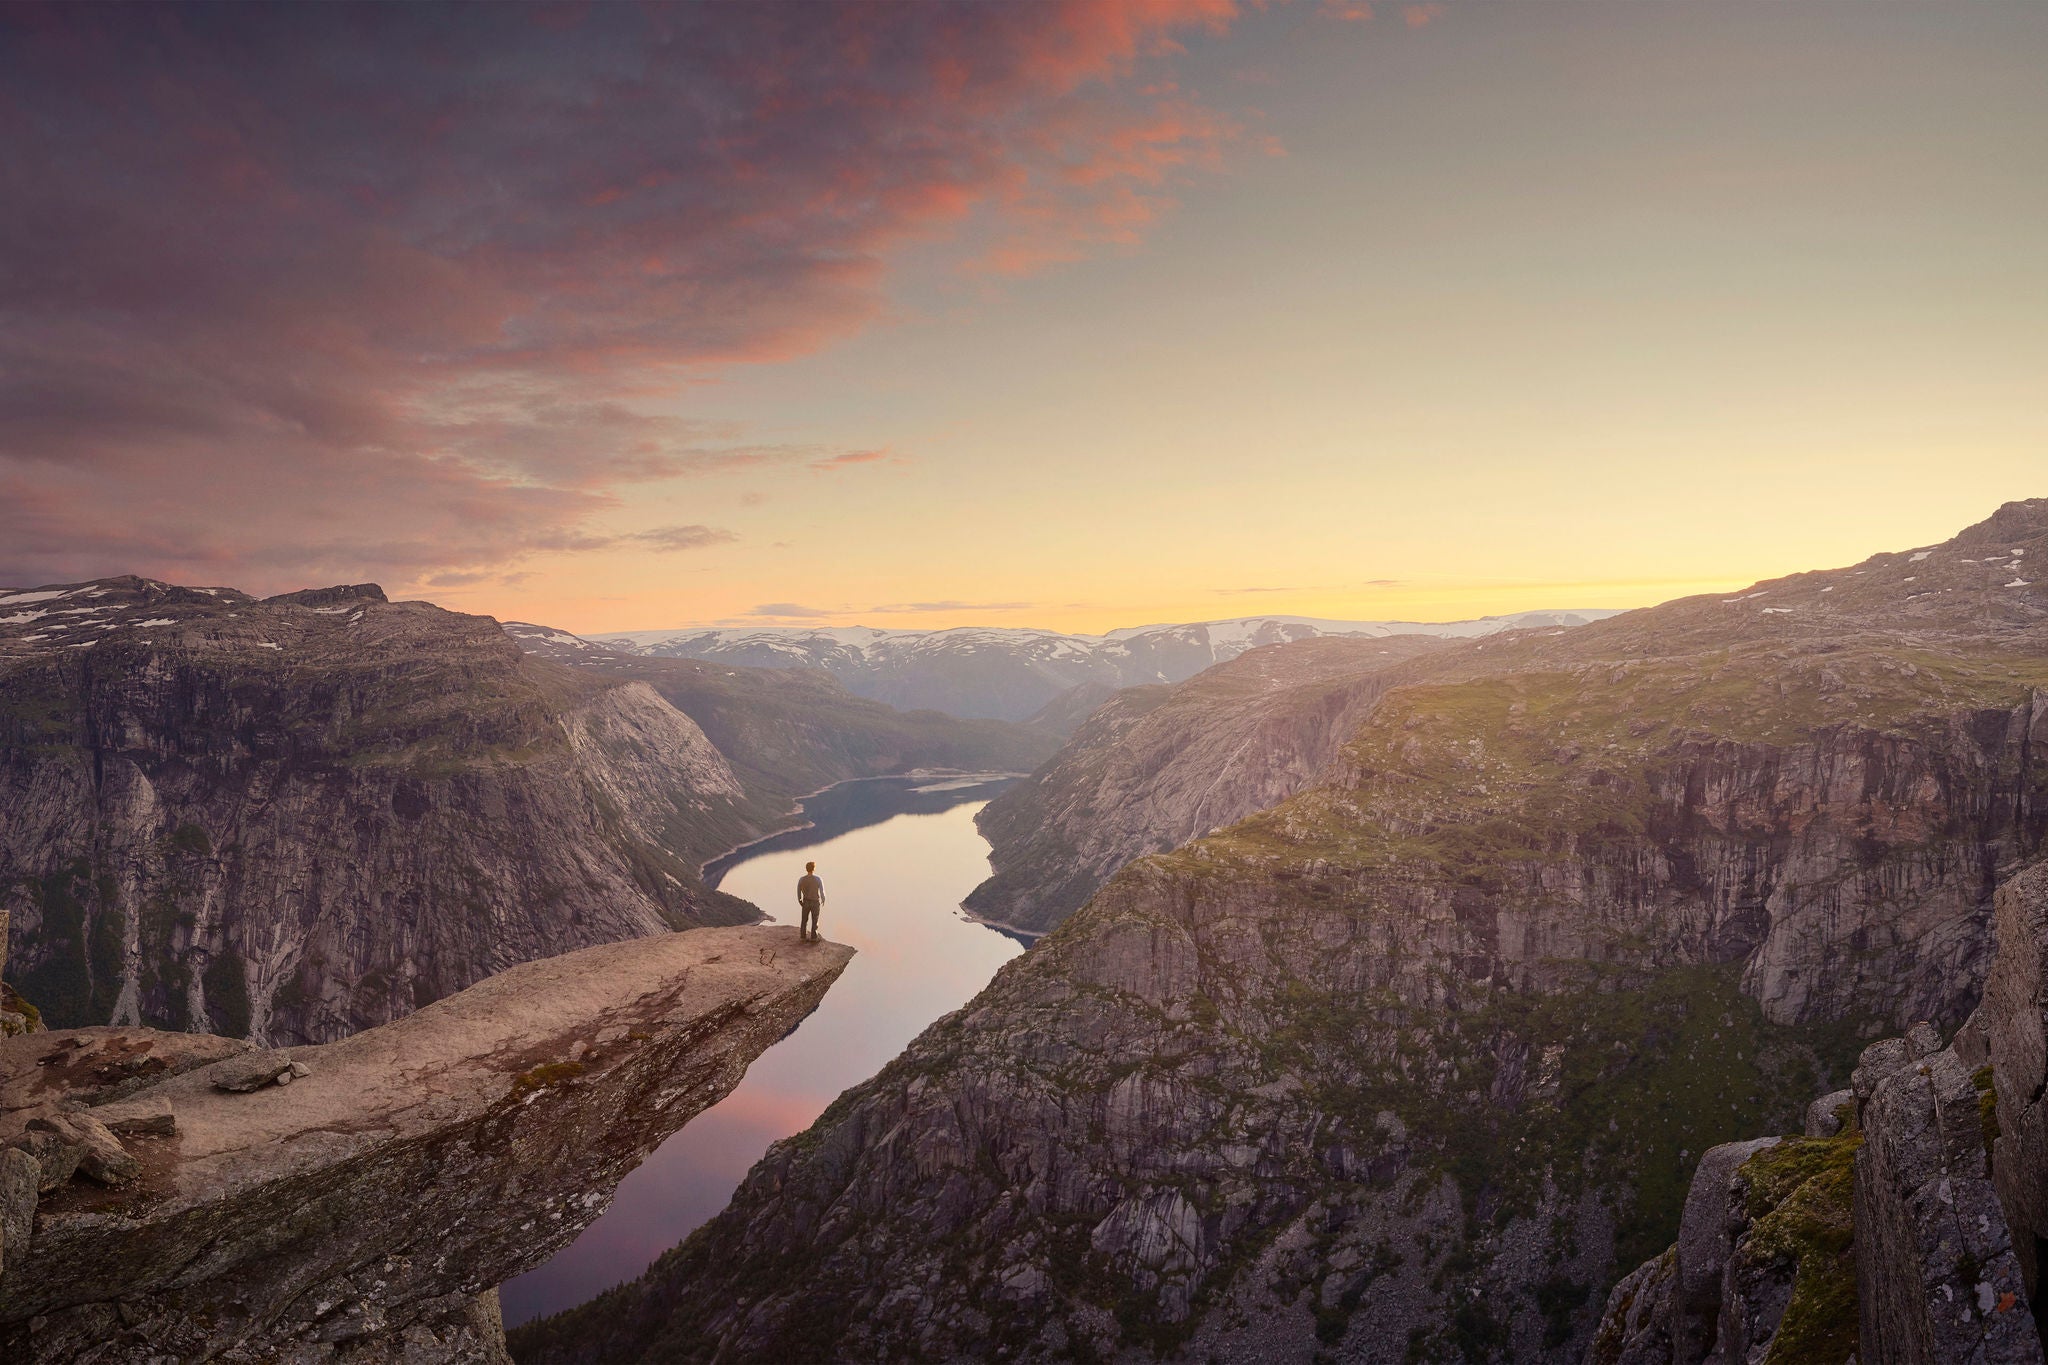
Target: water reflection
(897, 857)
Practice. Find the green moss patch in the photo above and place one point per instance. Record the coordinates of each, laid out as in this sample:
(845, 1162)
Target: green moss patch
(1801, 1197)
(545, 1075)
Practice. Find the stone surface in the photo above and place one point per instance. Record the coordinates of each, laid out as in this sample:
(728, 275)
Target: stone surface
(2012, 1020)
(367, 1212)
(55, 1153)
(1635, 1328)
(20, 1187)
(1824, 1115)
(1937, 1277)
(101, 1156)
(146, 1115)
(251, 1071)
(1714, 1218)
(96, 1066)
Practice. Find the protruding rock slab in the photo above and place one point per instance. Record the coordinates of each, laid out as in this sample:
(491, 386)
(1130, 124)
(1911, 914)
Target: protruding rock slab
(369, 1205)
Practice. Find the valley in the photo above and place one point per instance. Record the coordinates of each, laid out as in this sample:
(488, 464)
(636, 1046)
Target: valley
(1566, 911)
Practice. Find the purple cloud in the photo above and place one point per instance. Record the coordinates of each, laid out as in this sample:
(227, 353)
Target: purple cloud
(291, 293)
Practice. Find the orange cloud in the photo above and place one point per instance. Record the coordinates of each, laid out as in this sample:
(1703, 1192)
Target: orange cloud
(249, 274)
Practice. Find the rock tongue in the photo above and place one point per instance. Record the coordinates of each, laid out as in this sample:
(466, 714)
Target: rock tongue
(414, 1135)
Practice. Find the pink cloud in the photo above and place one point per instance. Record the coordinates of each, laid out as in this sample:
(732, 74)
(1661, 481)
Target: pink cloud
(845, 459)
(1421, 16)
(393, 283)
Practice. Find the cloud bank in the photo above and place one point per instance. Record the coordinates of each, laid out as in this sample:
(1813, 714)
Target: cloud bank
(308, 293)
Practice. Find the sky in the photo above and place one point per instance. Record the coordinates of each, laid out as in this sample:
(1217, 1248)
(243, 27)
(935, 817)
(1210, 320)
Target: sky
(1070, 313)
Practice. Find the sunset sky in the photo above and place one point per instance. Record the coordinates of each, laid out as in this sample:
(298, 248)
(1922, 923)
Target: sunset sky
(1076, 315)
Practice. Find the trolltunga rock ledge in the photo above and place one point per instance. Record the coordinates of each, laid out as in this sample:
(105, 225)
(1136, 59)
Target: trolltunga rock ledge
(368, 1210)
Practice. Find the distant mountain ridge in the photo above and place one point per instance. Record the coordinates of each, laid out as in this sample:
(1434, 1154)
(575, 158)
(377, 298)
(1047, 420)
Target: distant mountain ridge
(1011, 673)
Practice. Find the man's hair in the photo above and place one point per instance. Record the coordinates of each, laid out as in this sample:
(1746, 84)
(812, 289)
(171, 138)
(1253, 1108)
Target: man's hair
(810, 867)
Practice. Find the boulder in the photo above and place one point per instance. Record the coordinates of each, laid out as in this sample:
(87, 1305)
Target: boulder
(251, 1071)
(101, 1156)
(56, 1156)
(1824, 1115)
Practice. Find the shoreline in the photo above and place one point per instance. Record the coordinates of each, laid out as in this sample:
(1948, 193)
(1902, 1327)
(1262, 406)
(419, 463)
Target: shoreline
(703, 868)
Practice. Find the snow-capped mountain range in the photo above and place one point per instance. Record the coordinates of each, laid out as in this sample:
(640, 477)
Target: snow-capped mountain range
(1001, 672)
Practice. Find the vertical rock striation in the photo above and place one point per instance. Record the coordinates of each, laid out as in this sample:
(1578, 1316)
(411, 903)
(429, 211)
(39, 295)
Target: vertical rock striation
(297, 818)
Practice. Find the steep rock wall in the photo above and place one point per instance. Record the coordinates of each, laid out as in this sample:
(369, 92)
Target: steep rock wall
(1155, 767)
(296, 819)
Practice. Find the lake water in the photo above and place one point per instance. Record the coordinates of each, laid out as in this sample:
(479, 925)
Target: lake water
(897, 857)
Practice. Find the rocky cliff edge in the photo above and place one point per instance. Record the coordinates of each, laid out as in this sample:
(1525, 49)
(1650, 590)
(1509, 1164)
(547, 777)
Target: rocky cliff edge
(366, 1207)
(1905, 1226)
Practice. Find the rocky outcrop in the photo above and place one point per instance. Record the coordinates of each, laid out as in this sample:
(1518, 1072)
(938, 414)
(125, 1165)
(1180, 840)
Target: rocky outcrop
(2013, 1026)
(366, 1211)
(1907, 1238)
(1412, 1063)
(1936, 1274)
(1155, 767)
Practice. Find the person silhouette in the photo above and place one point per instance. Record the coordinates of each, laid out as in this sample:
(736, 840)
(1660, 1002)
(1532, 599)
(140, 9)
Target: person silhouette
(810, 899)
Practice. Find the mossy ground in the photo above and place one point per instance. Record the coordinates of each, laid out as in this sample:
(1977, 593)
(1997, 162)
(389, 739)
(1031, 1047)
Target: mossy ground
(1801, 1199)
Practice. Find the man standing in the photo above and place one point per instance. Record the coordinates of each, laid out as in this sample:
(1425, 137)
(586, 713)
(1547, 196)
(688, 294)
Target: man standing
(810, 899)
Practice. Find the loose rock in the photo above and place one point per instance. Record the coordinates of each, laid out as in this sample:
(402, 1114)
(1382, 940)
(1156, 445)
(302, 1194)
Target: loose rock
(147, 1116)
(250, 1072)
(101, 1155)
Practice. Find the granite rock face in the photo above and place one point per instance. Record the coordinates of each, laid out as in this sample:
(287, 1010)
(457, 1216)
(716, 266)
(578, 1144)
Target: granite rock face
(1926, 1195)
(295, 818)
(1937, 1278)
(367, 1212)
(1157, 766)
(1412, 1064)
(2013, 1023)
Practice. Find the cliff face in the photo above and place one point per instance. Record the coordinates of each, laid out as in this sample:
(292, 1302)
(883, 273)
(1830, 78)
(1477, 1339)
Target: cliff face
(790, 731)
(1903, 1227)
(297, 818)
(1411, 1064)
(368, 1211)
(1157, 766)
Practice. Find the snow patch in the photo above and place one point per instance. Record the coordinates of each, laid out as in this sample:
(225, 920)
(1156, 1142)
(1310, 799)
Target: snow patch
(21, 618)
(2019, 583)
(156, 621)
(265, 644)
(1919, 555)
(45, 595)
